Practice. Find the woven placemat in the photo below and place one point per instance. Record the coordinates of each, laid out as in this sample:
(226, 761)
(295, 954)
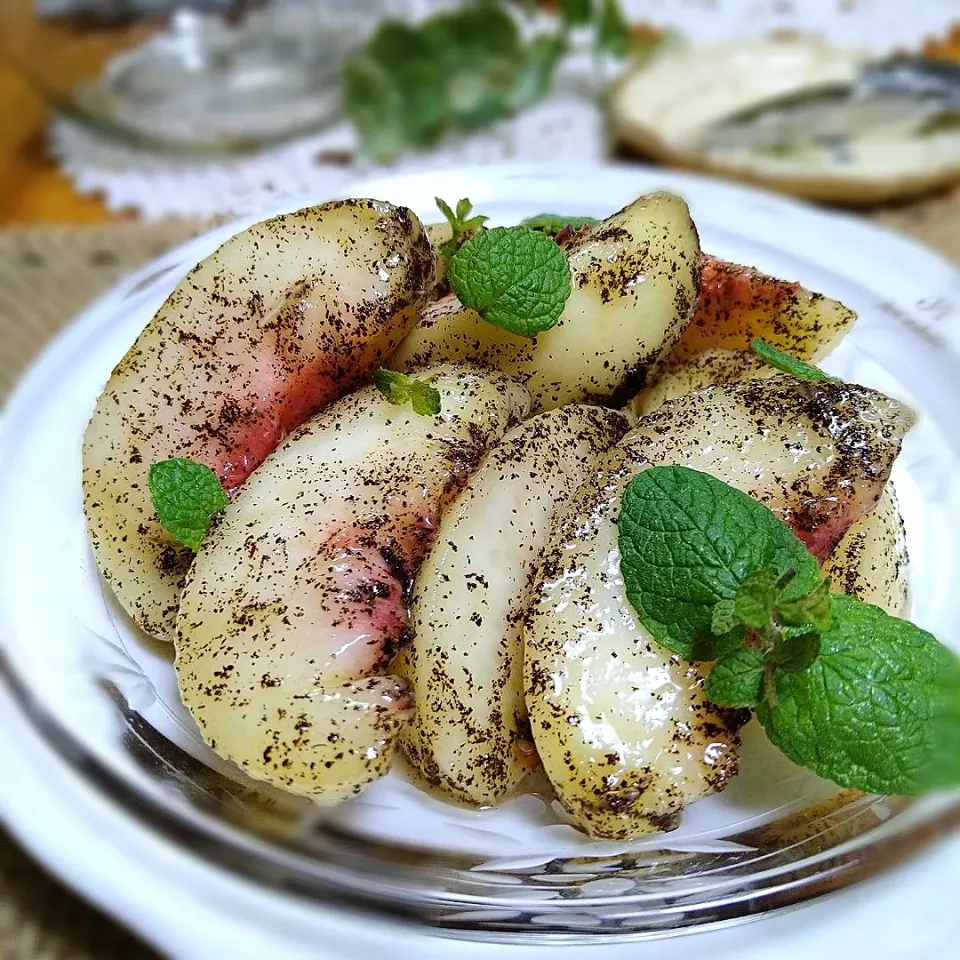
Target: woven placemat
(46, 275)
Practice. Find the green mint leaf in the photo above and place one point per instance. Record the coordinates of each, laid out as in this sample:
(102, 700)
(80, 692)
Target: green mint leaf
(394, 387)
(395, 42)
(448, 248)
(575, 13)
(736, 679)
(452, 218)
(460, 229)
(687, 541)
(424, 398)
(878, 710)
(513, 277)
(186, 495)
(613, 30)
(393, 94)
(553, 223)
(474, 223)
(484, 30)
(814, 608)
(536, 69)
(417, 96)
(410, 83)
(478, 96)
(756, 597)
(375, 106)
(478, 55)
(399, 389)
(425, 103)
(786, 362)
(796, 650)
(728, 642)
(724, 617)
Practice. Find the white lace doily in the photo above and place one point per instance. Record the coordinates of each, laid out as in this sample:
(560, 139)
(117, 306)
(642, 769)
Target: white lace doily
(156, 187)
(566, 128)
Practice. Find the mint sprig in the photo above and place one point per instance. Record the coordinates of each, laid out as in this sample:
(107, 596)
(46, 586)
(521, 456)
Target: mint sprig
(514, 277)
(399, 389)
(462, 68)
(687, 542)
(877, 708)
(862, 698)
(786, 362)
(736, 679)
(462, 225)
(186, 496)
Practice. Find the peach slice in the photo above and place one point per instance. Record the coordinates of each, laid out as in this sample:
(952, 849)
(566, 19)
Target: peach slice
(736, 304)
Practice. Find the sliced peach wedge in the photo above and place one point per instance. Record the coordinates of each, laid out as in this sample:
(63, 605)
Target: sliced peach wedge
(283, 319)
(736, 305)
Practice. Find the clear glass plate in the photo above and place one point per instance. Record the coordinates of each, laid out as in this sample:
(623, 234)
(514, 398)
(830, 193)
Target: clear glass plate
(105, 696)
(191, 76)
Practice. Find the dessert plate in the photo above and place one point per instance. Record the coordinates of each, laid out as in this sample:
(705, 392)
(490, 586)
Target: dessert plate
(97, 700)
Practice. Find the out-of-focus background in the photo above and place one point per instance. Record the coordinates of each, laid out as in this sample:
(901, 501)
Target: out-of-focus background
(129, 125)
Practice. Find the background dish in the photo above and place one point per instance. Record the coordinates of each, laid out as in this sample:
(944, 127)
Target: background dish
(76, 658)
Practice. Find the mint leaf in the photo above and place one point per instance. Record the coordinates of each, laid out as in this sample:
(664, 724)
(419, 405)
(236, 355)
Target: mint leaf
(399, 389)
(424, 399)
(536, 69)
(410, 83)
(613, 30)
(553, 223)
(687, 541)
(724, 617)
(859, 697)
(513, 277)
(574, 13)
(878, 710)
(462, 225)
(484, 30)
(466, 67)
(795, 650)
(402, 50)
(755, 598)
(814, 608)
(478, 55)
(186, 495)
(374, 105)
(736, 679)
(728, 632)
(787, 362)
(444, 208)
(394, 387)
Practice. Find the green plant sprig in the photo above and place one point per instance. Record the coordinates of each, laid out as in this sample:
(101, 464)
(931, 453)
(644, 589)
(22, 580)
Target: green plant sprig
(461, 69)
(860, 697)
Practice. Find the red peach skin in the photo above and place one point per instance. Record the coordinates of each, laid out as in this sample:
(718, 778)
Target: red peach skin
(296, 602)
(282, 319)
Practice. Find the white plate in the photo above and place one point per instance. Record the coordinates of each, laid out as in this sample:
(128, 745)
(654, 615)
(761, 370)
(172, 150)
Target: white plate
(61, 636)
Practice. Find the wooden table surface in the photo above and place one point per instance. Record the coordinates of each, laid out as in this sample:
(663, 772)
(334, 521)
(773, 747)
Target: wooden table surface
(32, 189)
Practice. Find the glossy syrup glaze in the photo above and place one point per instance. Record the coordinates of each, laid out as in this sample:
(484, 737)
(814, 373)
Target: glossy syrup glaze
(465, 656)
(622, 726)
(296, 602)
